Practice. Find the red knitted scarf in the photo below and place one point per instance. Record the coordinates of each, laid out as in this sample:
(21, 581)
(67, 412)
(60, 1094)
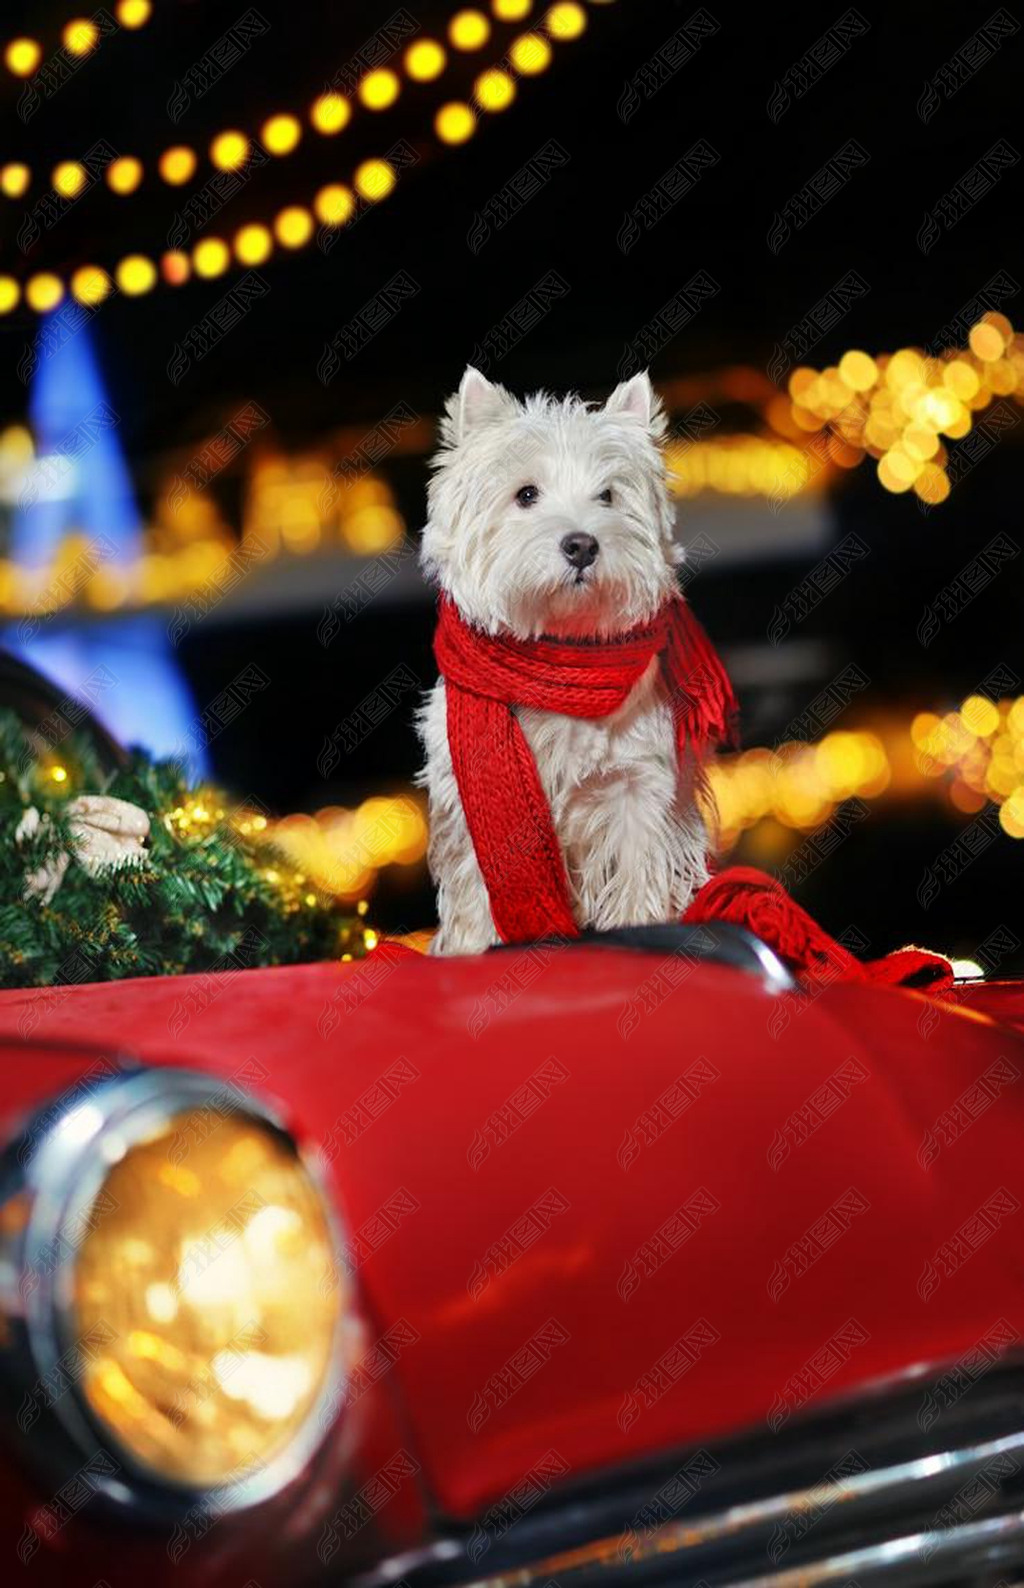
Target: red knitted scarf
(506, 808)
(510, 825)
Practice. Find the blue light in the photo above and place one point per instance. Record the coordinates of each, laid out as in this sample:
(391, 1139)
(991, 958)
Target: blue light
(81, 487)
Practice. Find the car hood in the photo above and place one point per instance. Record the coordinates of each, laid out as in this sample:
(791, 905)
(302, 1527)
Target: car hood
(605, 1204)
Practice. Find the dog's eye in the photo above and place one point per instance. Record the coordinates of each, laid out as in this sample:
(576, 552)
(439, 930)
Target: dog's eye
(527, 495)
(606, 495)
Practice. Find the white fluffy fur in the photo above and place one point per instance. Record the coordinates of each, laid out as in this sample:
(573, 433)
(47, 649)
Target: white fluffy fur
(634, 843)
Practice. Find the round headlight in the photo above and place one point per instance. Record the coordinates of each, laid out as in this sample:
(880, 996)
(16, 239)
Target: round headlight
(173, 1293)
(199, 1298)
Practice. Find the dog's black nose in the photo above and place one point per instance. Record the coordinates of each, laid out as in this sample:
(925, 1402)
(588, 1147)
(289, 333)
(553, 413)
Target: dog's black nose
(580, 550)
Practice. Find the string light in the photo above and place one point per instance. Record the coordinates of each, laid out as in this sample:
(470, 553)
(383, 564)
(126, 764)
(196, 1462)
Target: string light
(494, 90)
(90, 284)
(175, 267)
(469, 30)
(176, 165)
(22, 56)
(135, 275)
(424, 60)
(133, 13)
(333, 205)
(124, 175)
(340, 851)
(374, 180)
(80, 37)
(68, 178)
(379, 89)
(565, 21)
(14, 179)
(511, 10)
(211, 257)
(902, 408)
(229, 150)
(973, 755)
(10, 294)
(43, 292)
(293, 226)
(738, 465)
(253, 244)
(455, 123)
(280, 134)
(530, 54)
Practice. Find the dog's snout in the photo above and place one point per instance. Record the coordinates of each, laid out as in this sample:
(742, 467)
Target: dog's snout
(580, 549)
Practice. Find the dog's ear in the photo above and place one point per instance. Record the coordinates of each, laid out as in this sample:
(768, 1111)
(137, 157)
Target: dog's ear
(637, 396)
(476, 402)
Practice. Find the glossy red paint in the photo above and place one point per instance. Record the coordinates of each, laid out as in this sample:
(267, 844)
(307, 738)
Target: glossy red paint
(623, 1209)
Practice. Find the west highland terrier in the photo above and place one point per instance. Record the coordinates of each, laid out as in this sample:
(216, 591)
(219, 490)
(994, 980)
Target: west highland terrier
(550, 537)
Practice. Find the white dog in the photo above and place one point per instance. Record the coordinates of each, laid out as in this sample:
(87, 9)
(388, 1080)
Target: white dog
(549, 517)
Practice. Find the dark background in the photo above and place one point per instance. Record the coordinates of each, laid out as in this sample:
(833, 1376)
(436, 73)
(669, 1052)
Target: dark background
(721, 227)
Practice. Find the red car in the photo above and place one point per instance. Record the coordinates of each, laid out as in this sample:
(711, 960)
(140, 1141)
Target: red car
(627, 1260)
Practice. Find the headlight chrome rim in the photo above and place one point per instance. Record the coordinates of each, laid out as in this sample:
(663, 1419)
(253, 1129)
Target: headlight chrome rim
(63, 1174)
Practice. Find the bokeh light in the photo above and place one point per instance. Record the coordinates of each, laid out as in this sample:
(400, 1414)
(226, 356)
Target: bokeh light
(424, 60)
(469, 30)
(330, 113)
(177, 165)
(229, 150)
(135, 275)
(280, 134)
(455, 123)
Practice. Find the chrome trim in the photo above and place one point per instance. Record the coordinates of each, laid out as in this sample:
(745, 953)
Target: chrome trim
(972, 1545)
(912, 1482)
(59, 1162)
(710, 942)
(774, 972)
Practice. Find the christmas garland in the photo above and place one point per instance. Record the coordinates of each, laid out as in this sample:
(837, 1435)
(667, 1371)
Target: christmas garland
(200, 892)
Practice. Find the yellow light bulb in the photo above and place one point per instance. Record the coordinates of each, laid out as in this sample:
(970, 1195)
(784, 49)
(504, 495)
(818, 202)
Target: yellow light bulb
(511, 10)
(135, 275)
(177, 165)
(374, 180)
(229, 150)
(494, 90)
(90, 284)
(22, 56)
(379, 89)
(10, 293)
(125, 174)
(80, 36)
(455, 123)
(253, 244)
(211, 257)
(330, 113)
(293, 227)
(334, 204)
(469, 30)
(134, 13)
(565, 21)
(175, 267)
(14, 179)
(424, 60)
(44, 292)
(280, 134)
(69, 178)
(530, 54)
